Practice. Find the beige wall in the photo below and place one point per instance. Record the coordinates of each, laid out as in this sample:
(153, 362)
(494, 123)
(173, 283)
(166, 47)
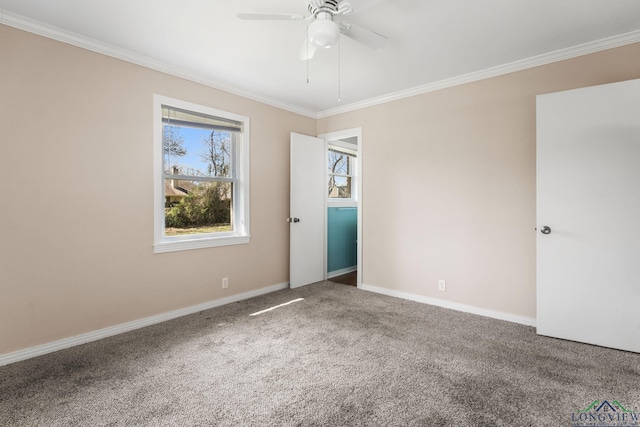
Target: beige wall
(449, 183)
(76, 222)
(449, 190)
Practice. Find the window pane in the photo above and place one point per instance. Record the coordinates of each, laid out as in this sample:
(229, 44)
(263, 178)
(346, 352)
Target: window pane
(197, 152)
(339, 162)
(197, 207)
(339, 187)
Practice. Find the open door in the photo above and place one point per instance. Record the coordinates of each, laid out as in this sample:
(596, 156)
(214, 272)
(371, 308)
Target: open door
(588, 151)
(307, 210)
(351, 139)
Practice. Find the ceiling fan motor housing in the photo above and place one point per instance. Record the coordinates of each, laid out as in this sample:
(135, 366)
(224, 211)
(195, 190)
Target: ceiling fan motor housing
(324, 31)
(334, 7)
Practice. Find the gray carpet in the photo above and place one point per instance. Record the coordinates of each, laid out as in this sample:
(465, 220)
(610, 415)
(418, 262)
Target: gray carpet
(340, 357)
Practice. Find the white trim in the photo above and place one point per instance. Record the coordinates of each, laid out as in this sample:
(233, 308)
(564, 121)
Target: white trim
(336, 273)
(40, 28)
(523, 64)
(527, 321)
(49, 31)
(199, 243)
(39, 350)
(342, 203)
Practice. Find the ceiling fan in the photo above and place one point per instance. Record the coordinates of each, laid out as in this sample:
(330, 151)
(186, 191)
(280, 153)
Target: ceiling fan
(326, 26)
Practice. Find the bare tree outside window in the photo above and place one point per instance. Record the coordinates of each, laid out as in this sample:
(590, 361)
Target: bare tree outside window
(340, 165)
(173, 146)
(217, 153)
(203, 203)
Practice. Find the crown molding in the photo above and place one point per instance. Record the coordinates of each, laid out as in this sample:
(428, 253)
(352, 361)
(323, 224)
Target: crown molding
(523, 64)
(36, 27)
(49, 31)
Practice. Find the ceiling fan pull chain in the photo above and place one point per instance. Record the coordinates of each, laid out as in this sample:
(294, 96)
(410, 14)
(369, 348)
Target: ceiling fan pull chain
(339, 71)
(308, 54)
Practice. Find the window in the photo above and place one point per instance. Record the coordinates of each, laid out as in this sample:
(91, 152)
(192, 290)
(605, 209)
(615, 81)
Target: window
(202, 176)
(341, 163)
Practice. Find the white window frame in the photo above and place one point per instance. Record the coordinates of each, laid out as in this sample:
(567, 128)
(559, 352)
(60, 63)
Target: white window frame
(351, 150)
(241, 197)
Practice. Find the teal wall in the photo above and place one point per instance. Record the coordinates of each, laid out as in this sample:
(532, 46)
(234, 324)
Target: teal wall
(342, 226)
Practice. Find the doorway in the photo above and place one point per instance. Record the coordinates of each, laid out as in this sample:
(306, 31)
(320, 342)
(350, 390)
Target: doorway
(343, 207)
(309, 203)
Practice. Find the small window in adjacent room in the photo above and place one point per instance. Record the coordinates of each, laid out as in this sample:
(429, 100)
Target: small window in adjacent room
(341, 163)
(202, 176)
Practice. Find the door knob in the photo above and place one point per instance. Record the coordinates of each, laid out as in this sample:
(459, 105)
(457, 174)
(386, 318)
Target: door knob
(293, 219)
(545, 230)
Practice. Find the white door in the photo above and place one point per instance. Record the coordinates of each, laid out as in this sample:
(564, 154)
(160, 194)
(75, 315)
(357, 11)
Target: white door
(307, 210)
(588, 194)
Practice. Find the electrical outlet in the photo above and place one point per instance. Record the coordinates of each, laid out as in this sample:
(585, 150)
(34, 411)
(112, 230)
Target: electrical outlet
(442, 285)
(225, 282)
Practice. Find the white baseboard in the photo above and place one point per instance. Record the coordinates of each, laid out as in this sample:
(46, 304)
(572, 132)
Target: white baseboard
(528, 321)
(342, 271)
(39, 350)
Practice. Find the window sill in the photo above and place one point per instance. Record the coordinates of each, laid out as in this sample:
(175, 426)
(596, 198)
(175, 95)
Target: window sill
(344, 203)
(199, 243)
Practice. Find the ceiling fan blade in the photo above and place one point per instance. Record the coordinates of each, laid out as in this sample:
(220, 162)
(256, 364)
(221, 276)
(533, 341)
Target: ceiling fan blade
(270, 17)
(307, 50)
(362, 35)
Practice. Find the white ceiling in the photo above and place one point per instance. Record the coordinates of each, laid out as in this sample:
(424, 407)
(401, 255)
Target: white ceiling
(429, 40)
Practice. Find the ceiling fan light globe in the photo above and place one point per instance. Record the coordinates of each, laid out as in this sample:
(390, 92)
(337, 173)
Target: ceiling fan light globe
(324, 33)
